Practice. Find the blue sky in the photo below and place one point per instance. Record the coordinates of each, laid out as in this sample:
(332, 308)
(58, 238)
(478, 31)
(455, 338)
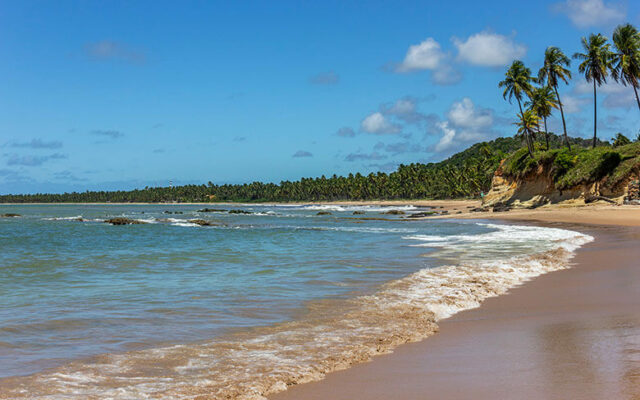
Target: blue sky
(117, 95)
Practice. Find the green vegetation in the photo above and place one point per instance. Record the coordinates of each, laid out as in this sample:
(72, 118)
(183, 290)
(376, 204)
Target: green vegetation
(577, 166)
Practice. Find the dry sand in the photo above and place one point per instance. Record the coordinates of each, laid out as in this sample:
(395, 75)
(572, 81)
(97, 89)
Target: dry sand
(571, 334)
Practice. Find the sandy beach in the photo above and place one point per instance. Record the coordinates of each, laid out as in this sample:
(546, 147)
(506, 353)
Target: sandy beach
(573, 333)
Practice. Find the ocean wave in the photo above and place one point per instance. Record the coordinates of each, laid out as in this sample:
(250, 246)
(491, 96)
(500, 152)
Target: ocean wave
(333, 335)
(334, 207)
(75, 218)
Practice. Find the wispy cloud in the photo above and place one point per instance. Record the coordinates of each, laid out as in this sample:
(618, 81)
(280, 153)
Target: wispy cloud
(38, 144)
(301, 154)
(110, 133)
(325, 78)
(68, 176)
(364, 157)
(33, 161)
(345, 131)
(105, 50)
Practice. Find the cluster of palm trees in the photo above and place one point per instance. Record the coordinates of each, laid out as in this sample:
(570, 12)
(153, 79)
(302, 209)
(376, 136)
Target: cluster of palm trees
(598, 61)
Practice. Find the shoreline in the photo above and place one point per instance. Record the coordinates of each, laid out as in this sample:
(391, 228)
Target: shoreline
(494, 351)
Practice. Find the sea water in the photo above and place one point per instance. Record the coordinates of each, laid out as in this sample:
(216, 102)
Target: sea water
(260, 300)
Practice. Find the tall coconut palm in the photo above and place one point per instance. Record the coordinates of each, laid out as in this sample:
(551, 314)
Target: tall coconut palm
(596, 61)
(517, 83)
(527, 123)
(541, 102)
(626, 59)
(552, 72)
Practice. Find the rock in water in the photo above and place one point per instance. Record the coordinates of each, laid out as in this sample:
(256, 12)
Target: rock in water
(394, 212)
(10, 215)
(123, 221)
(323, 213)
(202, 222)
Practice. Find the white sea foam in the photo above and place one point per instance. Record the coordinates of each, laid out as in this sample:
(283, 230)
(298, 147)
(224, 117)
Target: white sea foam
(77, 217)
(338, 208)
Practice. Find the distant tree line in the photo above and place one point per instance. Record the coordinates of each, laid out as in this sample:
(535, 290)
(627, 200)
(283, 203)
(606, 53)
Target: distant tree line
(464, 175)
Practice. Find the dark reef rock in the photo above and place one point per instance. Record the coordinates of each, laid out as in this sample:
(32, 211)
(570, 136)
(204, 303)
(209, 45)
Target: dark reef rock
(123, 221)
(323, 213)
(202, 222)
(393, 212)
(10, 215)
(422, 214)
(239, 212)
(501, 207)
(358, 213)
(212, 210)
(175, 212)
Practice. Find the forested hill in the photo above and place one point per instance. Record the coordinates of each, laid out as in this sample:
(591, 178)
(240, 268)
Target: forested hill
(463, 175)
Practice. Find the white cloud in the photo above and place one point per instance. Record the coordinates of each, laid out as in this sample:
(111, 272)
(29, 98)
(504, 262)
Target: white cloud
(446, 140)
(425, 55)
(465, 123)
(587, 13)
(489, 49)
(428, 55)
(573, 104)
(377, 124)
(464, 114)
(611, 87)
(612, 93)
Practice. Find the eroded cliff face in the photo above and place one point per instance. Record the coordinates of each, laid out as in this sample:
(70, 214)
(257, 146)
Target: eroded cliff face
(538, 188)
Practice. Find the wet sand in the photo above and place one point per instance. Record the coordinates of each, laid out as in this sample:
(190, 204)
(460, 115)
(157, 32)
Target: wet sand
(570, 334)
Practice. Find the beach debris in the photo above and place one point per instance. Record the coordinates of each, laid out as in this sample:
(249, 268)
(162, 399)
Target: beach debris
(323, 213)
(10, 215)
(123, 221)
(393, 212)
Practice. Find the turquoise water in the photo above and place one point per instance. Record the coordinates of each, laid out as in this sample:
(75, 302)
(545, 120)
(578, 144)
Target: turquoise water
(71, 289)
(170, 309)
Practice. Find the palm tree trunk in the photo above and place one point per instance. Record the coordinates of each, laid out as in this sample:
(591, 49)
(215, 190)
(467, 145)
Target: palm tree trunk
(527, 133)
(546, 133)
(595, 114)
(564, 124)
(635, 90)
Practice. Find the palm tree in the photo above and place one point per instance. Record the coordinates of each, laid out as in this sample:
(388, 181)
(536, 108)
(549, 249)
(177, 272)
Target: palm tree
(596, 61)
(542, 101)
(626, 59)
(554, 70)
(528, 121)
(517, 81)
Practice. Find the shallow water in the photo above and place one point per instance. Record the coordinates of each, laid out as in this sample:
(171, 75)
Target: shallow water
(170, 309)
